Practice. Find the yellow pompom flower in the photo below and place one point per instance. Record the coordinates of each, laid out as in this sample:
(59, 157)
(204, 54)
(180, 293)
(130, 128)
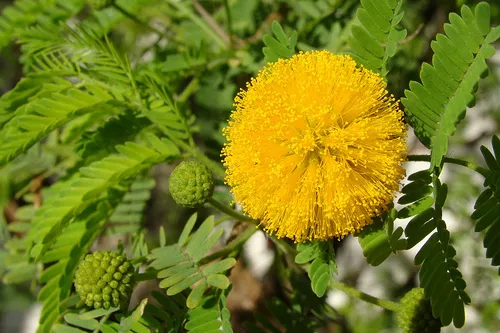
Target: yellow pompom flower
(315, 147)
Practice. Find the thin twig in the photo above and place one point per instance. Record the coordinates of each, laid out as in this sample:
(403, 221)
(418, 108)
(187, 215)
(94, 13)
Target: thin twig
(413, 34)
(211, 22)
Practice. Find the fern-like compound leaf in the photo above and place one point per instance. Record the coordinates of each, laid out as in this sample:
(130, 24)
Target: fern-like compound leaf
(280, 46)
(128, 215)
(323, 267)
(25, 13)
(91, 321)
(211, 316)
(435, 106)
(419, 200)
(39, 117)
(487, 207)
(98, 143)
(162, 110)
(375, 39)
(379, 239)
(439, 275)
(179, 267)
(92, 184)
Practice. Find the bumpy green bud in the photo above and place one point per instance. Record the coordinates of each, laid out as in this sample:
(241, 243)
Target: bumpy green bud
(191, 184)
(99, 4)
(415, 314)
(99, 275)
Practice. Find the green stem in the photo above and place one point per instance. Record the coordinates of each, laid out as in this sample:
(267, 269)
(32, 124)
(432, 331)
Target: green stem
(135, 19)
(222, 220)
(193, 17)
(230, 249)
(229, 23)
(228, 211)
(470, 165)
(216, 168)
(189, 90)
(353, 292)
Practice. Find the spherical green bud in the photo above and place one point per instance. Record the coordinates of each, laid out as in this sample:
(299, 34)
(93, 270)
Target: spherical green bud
(124, 267)
(98, 285)
(191, 184)
(99, 4)
(415, 314)
(107, 290)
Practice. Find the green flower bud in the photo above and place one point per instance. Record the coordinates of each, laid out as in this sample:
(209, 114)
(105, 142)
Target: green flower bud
(97, 285)
(191, 184)
(99, 4)
(415, 314)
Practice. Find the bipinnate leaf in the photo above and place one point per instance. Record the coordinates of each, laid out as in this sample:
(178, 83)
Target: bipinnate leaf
(435, 106)
(94, 180)
(439, 274)
(21, 14)
(375, 39)
(45, 114)
(178, 264)
(487, 207)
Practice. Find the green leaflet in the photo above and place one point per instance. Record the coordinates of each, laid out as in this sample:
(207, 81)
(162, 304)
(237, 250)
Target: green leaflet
(178, 266)
(165, 315)
(487, 207)
(322, 258)
(439, 274)
(418, 197)
(94, 180)
(100, 142)
(25, 13)
(374, 41)
(66, 51)
(211, 316)
(128, 215)
(299, 311)
(435, 106)
(162, 110)
(280, 47)
(379, 239)
(41, 116)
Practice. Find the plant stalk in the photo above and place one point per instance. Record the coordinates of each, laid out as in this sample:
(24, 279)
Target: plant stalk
(229, 23)
(450, 160)
(230, 212)
(353, 292)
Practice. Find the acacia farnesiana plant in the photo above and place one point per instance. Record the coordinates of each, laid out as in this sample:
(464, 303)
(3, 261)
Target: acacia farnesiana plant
(300, 124)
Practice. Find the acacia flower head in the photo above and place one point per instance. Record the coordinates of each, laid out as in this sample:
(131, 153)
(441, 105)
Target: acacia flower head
(315, 147)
